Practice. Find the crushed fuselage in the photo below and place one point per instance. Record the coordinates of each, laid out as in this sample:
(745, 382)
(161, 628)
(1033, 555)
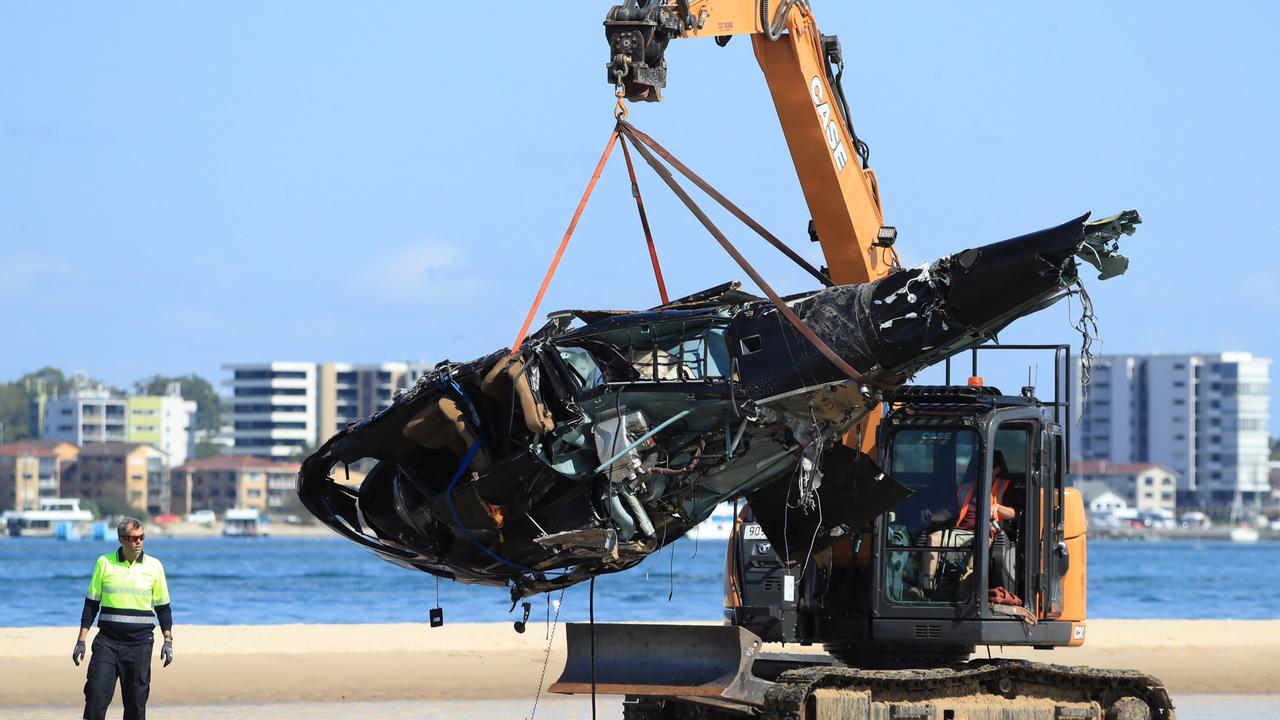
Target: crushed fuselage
(610, 434)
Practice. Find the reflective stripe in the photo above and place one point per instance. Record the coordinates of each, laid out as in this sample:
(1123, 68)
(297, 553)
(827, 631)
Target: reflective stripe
(134, 619)
(122, 590)
(93, 597)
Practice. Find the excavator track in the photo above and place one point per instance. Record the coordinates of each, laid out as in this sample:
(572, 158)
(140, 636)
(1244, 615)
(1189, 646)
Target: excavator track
(979, 690)
(1003, 689)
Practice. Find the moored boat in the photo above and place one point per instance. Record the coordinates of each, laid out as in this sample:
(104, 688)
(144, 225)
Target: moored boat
(53, 514)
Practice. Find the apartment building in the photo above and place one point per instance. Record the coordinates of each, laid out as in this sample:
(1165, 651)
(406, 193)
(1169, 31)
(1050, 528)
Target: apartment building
(273, 408)
(347, 392)
(87, 415)
(91, 415)
(136, 473)
(280, 408)
(32, 470)
(1205, 417)
(166, 422)
(1145, 487)
(228, 481)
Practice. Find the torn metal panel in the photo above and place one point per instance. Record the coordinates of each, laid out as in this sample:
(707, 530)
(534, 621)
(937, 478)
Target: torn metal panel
(612, 433)
(1102, 243)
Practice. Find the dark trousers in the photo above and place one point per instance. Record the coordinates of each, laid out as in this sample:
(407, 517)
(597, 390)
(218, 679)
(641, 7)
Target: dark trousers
(111, 660)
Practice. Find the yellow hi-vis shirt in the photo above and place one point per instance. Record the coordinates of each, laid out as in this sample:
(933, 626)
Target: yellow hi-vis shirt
(129, 593)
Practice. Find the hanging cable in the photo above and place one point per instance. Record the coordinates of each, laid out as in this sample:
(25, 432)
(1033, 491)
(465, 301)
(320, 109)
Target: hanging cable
(564, 243)
(644, 222)
(546, 658)
(591, 623)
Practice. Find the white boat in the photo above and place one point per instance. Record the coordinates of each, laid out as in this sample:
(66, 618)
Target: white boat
(1244, 534)
(45, 521)
(719, 526)
(242, 522)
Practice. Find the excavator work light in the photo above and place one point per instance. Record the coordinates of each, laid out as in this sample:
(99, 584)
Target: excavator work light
(887, 236)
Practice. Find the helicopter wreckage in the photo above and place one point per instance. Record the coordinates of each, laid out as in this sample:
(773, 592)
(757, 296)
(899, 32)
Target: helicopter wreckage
(607, 435)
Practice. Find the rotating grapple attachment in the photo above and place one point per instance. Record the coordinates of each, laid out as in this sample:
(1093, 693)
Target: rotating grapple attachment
(638, 32)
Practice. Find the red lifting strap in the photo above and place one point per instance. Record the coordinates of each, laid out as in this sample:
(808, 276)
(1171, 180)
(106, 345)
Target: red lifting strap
(640, 141)
(644, 222)
(555, 262)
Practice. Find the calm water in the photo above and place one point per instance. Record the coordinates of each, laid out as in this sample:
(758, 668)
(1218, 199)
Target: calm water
(220, 581)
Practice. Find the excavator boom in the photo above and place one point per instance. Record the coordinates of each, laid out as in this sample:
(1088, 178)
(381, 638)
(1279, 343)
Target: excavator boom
(802, 68)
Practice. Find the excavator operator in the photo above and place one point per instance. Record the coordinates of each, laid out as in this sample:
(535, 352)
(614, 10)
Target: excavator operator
(965, 522)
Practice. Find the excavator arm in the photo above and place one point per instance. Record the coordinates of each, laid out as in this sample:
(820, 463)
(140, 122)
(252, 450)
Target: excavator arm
(802, 68)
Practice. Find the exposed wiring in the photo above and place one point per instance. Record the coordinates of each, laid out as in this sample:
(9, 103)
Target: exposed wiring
(1087, 326)
(813, 540)
(889, 256)
(462, 529)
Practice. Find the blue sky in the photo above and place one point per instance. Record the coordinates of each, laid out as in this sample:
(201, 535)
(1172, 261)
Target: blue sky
(184, 185)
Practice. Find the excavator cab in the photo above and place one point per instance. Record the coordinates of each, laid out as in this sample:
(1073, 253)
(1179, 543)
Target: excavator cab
(979, 553)
(988, 548)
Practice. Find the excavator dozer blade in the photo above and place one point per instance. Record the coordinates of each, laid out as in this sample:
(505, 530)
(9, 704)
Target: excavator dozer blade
(690, 661)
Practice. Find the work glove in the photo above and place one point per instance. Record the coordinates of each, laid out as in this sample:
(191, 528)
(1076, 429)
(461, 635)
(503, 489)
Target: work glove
(166, 652)
(78, 654)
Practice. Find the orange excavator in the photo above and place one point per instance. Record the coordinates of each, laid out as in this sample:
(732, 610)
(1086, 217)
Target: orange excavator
(988, 548)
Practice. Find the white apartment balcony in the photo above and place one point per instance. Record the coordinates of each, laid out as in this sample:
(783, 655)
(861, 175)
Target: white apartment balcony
(274, 433)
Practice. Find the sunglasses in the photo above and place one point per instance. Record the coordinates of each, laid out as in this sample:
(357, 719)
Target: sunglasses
(134, 538)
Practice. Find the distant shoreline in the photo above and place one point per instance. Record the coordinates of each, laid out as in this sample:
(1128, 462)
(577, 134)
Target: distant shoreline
(269, 530)
(1217, 533)
(282, 530)
(316, 663)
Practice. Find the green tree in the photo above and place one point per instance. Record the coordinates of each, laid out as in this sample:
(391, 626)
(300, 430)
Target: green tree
(207, 450)
(113, 504)
(16, 399)
(15, 412)
(49, 379)
(193, 387)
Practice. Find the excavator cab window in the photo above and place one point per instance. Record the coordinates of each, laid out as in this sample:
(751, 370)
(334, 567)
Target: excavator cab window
(1012, 457)
(928, 558)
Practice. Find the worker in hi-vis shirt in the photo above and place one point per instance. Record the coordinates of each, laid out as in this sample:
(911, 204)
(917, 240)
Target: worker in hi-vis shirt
(129, 587)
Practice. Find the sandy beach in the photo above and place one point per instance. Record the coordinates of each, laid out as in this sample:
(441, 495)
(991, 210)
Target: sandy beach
(460, 665)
